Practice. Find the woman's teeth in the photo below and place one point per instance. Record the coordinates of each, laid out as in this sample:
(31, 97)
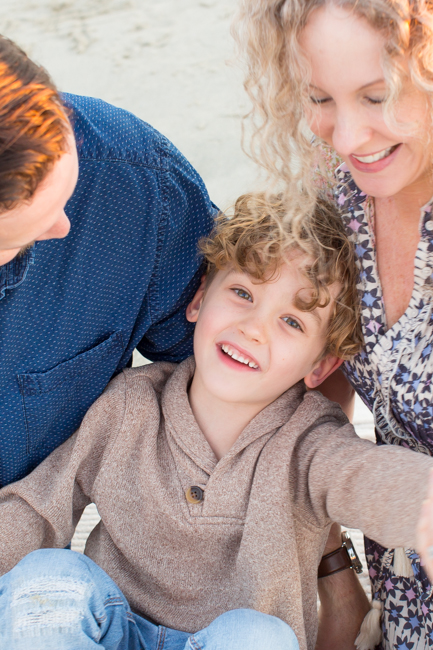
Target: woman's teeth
(376, 156)
(238, 357)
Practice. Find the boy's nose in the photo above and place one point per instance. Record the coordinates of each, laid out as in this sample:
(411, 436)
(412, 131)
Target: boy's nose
(253, 329)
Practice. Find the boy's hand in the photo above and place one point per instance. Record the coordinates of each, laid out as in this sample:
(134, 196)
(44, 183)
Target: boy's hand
(425, 531)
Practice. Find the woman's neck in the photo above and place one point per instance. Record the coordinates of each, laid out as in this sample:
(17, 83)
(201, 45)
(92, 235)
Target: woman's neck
(397, 237)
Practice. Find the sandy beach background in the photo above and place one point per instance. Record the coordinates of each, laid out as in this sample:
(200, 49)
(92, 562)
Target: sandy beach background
(164, 60)
(172, 63)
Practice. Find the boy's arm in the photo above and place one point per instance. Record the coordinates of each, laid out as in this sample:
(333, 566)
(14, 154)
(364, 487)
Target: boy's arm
(343, 604)
(337, 476)
(425, 531)
(358, 484)
(42, 510)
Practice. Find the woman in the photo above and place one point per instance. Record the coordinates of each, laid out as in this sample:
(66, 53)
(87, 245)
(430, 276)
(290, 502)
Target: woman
(358, 74)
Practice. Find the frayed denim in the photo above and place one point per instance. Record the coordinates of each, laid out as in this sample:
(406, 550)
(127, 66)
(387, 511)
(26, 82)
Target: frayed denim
(55, 599)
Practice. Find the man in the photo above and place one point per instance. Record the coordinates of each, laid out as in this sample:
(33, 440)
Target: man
(99, 221)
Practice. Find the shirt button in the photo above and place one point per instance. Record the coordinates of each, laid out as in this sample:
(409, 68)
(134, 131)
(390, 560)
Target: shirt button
(194, 494)
(429, 225)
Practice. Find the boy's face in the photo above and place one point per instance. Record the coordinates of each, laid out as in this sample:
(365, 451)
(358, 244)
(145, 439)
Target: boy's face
(251, 342)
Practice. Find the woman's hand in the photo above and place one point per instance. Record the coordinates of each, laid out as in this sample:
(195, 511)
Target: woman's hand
(425, 531)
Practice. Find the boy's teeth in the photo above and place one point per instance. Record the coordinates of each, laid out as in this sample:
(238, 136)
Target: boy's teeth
(235, 355)
(375, 157)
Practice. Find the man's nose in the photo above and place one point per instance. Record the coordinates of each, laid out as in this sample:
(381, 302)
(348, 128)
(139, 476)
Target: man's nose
(351, 132)
(59, 229)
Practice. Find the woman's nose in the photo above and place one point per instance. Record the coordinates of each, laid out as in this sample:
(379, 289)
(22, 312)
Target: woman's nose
(351, 132)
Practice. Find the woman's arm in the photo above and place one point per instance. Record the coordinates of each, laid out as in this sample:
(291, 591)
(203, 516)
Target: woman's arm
(343, 603)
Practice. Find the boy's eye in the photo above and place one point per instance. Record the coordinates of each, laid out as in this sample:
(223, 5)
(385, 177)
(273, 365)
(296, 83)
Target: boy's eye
(292, 322)
(243, 294)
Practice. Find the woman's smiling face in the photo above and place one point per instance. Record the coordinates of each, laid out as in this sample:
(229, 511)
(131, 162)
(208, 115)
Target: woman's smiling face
(347, 93)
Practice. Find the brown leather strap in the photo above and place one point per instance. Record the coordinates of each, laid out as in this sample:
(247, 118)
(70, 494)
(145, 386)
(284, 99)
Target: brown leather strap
(334, 562)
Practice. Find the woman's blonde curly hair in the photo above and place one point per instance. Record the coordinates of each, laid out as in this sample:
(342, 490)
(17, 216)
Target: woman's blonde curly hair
(257, 239)
(277, 77)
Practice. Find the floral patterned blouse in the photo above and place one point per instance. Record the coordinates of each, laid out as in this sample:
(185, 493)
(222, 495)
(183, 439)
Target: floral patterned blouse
(393, 376)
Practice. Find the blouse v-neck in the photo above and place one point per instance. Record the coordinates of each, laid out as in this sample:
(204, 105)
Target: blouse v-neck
(394, 361)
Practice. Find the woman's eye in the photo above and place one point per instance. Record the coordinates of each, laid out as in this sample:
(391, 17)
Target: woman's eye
(320, 100)
(292, 322)
(375, 100)
(243, 294)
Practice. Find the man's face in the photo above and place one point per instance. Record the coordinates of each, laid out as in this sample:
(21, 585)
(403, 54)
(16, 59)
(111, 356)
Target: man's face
(43, 217)
(251, 342)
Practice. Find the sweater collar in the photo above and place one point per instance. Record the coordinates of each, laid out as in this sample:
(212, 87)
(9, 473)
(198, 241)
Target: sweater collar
(182, 425)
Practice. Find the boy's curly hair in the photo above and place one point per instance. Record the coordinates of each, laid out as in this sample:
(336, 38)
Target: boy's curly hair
(257, 240)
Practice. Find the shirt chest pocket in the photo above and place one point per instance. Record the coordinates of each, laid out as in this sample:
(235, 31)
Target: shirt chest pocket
(56, 401)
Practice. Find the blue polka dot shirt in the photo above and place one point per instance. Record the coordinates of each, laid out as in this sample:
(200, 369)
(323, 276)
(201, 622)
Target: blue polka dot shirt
(72, 310)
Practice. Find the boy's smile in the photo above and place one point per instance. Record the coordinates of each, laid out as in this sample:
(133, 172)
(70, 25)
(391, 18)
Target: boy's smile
(252, 343)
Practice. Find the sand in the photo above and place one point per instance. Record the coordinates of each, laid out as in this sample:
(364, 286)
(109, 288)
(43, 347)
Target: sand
(167, 61)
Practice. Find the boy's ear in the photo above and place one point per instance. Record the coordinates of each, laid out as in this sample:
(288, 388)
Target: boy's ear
(193, 309)
(322, 370)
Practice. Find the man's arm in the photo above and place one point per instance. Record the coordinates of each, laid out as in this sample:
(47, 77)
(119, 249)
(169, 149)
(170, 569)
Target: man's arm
(187, 215)
(337, 389)
(343, 604)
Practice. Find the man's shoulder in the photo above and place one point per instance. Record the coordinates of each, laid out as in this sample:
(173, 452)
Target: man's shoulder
(107, 132)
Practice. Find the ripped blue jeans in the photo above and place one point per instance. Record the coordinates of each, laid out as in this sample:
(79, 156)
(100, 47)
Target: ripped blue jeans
(55, 599)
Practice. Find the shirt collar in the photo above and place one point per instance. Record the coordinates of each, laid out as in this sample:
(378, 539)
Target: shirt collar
(184, 428)
(347, 193)
(14, 272)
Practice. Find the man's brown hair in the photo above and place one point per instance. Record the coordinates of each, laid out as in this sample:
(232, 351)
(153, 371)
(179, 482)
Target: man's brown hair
(33, 125)
(256, 240)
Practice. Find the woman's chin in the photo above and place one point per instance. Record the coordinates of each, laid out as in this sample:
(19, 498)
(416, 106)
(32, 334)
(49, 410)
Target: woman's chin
(378, 186)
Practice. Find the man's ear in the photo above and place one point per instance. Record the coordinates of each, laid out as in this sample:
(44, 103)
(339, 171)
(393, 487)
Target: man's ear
(193, 309)
(322, 370)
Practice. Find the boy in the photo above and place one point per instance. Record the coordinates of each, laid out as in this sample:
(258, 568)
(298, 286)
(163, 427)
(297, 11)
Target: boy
(216, 480)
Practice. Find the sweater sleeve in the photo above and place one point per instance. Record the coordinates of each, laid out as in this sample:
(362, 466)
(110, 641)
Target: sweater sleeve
(43, 509)
(378, 489)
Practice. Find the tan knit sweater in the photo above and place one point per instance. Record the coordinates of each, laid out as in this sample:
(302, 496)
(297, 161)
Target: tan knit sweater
(257, 537)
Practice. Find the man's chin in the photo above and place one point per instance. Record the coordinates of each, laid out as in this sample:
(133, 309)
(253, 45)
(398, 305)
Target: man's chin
(24, 249)
(8, 255)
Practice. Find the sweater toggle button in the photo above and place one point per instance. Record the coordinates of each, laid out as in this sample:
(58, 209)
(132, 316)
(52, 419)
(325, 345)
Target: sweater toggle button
(194, 494)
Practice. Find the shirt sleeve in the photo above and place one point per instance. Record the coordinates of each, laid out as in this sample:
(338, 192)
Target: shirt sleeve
(187, 215)
(43, 509)
(360, 485)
